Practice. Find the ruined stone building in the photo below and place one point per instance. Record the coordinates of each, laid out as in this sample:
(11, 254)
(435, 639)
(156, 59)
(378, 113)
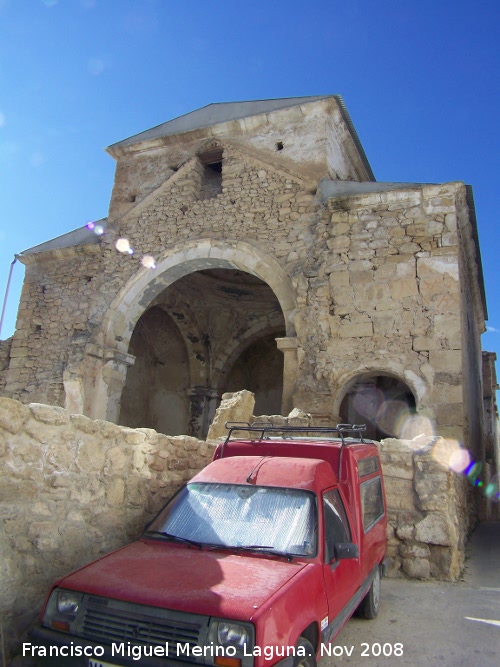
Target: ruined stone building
(248, 245)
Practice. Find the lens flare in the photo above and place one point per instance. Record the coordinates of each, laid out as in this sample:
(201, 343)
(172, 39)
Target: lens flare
(492, 490)
(148, 262)
(367, 402)
(97, 229)
(460, 460)
(451, 455)
(416, 426)
(473, 472)
(123, 245)
(391, 414)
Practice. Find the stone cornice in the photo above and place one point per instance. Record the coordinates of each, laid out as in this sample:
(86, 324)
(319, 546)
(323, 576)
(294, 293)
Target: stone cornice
(60, 253)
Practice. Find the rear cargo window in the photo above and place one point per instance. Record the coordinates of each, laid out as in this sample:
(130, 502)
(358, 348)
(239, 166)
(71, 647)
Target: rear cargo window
(372, 502)
(367, 466)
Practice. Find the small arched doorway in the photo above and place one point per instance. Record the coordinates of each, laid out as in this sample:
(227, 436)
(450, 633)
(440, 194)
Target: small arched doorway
(381, 401)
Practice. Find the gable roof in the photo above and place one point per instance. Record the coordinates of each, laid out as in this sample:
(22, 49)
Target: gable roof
(212, 114)
(81, 236)
(223, 112)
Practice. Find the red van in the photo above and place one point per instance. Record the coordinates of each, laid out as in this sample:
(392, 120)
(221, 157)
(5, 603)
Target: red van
(258, 561)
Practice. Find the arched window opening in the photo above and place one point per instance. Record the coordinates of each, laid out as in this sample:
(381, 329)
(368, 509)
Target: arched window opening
(382, 402)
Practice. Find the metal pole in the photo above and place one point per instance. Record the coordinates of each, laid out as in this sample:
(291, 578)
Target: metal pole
(6, 294)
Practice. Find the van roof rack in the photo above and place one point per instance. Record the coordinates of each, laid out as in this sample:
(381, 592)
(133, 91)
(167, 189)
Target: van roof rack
(267, 429)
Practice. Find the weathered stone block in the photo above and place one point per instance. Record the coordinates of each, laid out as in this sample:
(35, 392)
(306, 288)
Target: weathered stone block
(117, 459)
(116, 492)
(406, 532)
(90, 456)
(432, 491)
(399, 493)
(84, 424)
(355, 330)
(237, 406)
(446, 360)
(45, 536)
(13, 415)
(49, 414)
(446, 562)
(450, 414)
(416, 568)
(436, 529)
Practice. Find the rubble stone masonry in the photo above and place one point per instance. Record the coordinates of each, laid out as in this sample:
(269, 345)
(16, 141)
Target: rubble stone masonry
(71, 490)
(376, 279)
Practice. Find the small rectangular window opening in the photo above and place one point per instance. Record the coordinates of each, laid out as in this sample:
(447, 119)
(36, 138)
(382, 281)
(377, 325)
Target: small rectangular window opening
(211, 184)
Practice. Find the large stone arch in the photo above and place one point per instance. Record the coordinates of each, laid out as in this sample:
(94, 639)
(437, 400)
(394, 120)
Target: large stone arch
(106, 368)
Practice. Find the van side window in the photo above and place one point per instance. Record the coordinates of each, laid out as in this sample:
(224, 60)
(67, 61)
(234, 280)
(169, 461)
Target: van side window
(336, 523)
(372, 502)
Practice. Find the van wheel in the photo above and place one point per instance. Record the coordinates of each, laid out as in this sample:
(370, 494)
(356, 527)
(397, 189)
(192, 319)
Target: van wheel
(307, 660)
(370, 604)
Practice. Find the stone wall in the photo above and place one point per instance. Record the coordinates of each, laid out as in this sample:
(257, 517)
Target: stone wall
(428, 513)
(72, 489)
(385, 296)
(5, 346)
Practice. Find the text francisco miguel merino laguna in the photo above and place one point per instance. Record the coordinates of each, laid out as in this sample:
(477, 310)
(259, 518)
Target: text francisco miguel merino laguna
(136, 652)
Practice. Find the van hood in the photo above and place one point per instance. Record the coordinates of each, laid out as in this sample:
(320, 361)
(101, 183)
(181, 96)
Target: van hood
(184, 578)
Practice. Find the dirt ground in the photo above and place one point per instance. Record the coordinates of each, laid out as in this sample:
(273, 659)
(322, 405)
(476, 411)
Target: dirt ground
(432, 623)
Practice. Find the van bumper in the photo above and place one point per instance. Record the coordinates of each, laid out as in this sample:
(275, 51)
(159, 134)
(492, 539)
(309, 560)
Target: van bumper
(63, 650)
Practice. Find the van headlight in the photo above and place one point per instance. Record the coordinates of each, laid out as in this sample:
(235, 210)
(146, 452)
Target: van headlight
(62, 610)
(235, 641)
(68, 602)
(233, 634)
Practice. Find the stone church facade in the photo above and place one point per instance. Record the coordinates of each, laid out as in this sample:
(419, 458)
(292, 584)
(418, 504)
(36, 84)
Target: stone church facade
(249, 246)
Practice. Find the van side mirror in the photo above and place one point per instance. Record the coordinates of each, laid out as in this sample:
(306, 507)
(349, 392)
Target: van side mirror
(346, 550)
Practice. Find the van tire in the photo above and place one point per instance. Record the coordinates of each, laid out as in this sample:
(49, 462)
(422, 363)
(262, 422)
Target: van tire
(370, 604)
(307, 660)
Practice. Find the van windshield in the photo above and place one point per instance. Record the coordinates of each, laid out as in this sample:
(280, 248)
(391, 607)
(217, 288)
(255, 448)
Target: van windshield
(272, 519)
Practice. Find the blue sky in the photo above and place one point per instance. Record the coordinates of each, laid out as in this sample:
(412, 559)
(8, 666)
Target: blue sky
(420, 81)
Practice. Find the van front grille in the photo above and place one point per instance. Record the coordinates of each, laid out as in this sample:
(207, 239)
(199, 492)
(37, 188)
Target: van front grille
(109, 621)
